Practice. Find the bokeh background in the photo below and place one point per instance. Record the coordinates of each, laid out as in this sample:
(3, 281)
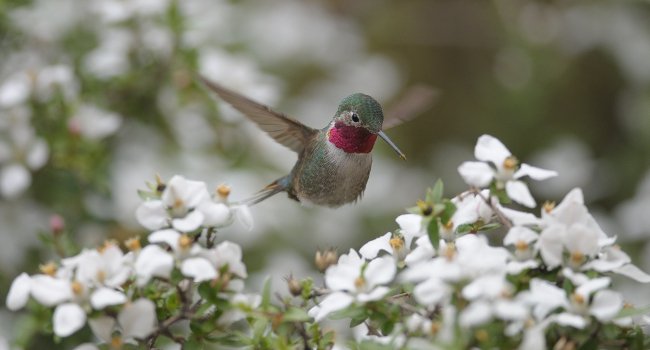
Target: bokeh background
(98, 96)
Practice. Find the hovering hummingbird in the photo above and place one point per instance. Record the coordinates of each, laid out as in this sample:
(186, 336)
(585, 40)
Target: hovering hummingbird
(333, 162)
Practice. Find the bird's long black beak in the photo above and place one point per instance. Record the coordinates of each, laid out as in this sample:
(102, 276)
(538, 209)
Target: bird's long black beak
(391, 144)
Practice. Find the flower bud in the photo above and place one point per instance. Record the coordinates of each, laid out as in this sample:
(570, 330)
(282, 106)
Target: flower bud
(223, 191)
(57, 224)
(295, 288)
(325, 259)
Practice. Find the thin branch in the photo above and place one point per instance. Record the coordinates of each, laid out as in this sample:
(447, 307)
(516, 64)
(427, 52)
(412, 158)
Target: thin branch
(502, 218)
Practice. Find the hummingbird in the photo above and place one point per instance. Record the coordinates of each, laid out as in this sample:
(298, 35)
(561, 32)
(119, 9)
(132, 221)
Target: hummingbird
(334, 162)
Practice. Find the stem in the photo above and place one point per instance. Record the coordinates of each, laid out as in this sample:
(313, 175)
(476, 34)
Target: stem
(502, 218)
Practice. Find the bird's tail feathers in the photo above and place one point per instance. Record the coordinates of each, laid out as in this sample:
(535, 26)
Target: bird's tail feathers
(274, 188)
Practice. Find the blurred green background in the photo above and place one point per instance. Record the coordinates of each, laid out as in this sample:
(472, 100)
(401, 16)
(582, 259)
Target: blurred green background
(97, 96)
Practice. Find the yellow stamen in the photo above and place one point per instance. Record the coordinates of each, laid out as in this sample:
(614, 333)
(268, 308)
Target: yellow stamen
(133, 244)
(101, 276)
(185, 241)
(359, 282)
(450, 251)
(48, 269)
(397, 243)
(578, 298)
(548, 206)
(116, 342)
(521, 246)
(510, 163)
(223, 191)
(107, 244)
(77, 287)
(449, 225)
(577, 258)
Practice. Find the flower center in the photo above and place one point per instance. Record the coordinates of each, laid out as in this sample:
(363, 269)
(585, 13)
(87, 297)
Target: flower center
(397, 243)
(116, 342)
(133, 244)
(359, 282)
(185, 241)
(510, 163)
(435, 327)
(450, 251)
(521, 246)
(578, 299)
(48, 269)
(425, 207)
(548, 206)
(577, 258)
(101, 276)
(77, 287)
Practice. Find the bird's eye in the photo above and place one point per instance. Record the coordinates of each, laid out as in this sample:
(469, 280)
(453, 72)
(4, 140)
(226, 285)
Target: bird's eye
(355, 117)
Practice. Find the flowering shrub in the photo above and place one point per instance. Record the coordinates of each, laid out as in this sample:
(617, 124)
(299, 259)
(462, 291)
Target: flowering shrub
(446, 278)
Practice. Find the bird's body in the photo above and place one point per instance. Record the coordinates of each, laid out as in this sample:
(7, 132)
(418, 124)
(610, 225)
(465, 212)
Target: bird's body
(327, 175)
(334, 162)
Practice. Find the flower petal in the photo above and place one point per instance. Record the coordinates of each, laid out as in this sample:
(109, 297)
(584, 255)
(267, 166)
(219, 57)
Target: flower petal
(153, 261)
(152, 215)
(215, 214)
(551, 245)
(633, 272)
(68, 318)
(102, 327)
(167, 236)
(104, 297)
(333, 302)
(19, 292)
(374, 295)
(490, 149)
(50, 291)
(380, 271)
(567, 319)
(606, 304)
(534, 173)
(138, 319)
(199, 269)
(477, 174)
(475, 314)
(190, 222)
(371, 249)
(518, 192)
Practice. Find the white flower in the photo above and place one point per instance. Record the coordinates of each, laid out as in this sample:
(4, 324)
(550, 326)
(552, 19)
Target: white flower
(152, 261)
(523, 240)
(411, 227)
(393, 244)
(94, 123)
(570, 228)
(185, 205)
(136, 320)
(505, 170)
(352, 279)
(15, 90)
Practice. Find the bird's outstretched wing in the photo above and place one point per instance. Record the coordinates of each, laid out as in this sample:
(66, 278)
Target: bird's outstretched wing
(286, 131)
(413, 102)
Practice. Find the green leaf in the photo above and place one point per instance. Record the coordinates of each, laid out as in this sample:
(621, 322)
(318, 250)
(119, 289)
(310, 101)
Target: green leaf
(490, 226)
(437, 192)
(464, 228)
(370, 345)
(633, 311)
(448, 211)
(294, 314)
(349, 312)
(433, 230)
(266, 294)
